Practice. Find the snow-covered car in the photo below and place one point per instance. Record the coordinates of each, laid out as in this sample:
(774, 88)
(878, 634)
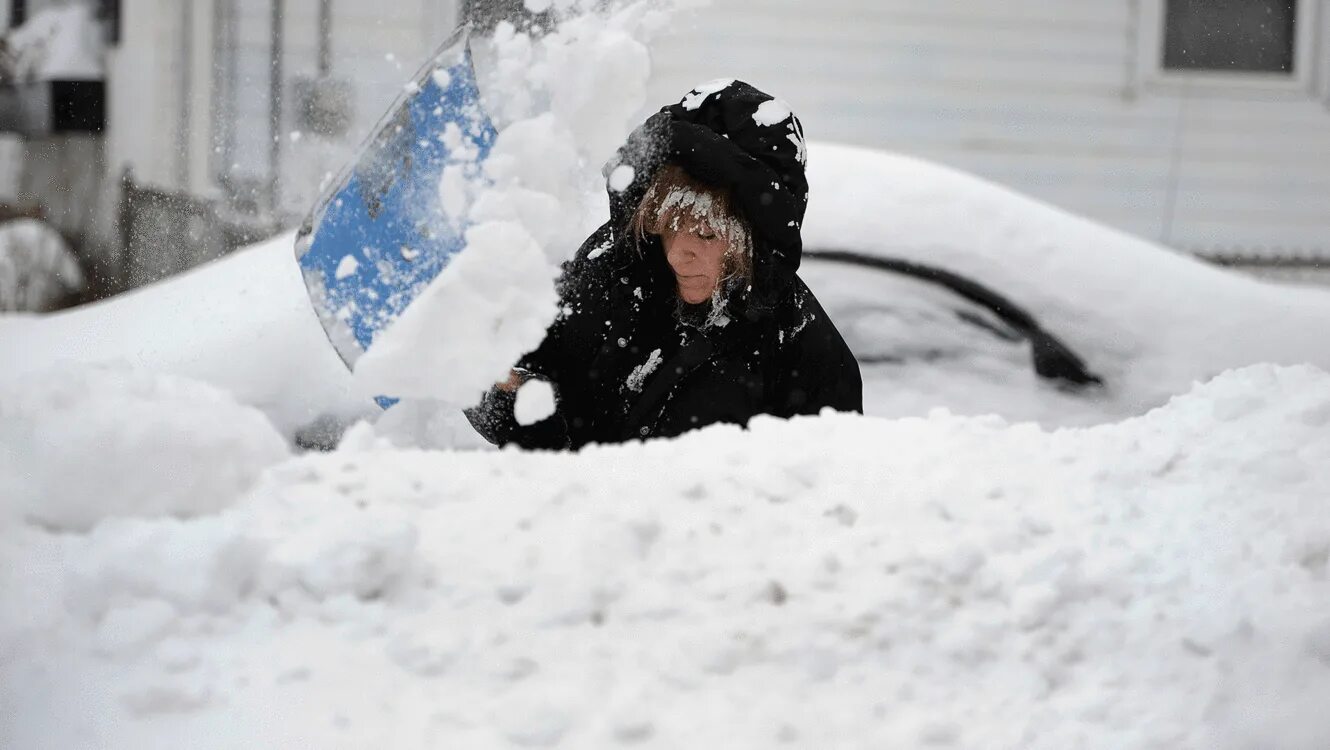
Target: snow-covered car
(1146, 320)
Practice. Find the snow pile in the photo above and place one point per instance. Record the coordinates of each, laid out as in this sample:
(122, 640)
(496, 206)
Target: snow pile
(82, 444)
(243, 324)
(59, 43)
(563, 98)
(37, 267)
(832, 582)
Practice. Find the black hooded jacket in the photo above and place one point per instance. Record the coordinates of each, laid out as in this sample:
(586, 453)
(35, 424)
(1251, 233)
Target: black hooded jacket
(626, 361)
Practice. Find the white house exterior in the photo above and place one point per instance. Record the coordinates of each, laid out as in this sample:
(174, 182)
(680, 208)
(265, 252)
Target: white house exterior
(1068, 101)
(203, 99)
(199, 74)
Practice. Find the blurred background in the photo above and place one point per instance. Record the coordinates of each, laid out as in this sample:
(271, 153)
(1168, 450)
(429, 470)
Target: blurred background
(139, 138)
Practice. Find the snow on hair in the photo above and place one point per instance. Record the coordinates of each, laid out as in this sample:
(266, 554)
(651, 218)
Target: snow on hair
(674, 198)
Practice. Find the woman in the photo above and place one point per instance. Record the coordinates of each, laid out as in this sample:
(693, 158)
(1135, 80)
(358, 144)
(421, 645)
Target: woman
(685, 309)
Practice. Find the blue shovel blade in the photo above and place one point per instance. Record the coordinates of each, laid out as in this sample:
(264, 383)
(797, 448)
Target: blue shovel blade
(381, 234)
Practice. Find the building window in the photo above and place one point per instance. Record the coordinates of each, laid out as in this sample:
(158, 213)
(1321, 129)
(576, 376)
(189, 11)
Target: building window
(1232, 35)
(109, 13)
(1228, 43)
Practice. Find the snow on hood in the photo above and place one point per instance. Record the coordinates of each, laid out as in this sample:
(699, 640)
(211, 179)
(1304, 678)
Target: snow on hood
(56, 43)
(942, 582)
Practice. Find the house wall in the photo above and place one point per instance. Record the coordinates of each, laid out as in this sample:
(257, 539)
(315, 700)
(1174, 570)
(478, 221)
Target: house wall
(188, 113)
(189, 107)
(158, 123)
(1042, 96)
(377, 48)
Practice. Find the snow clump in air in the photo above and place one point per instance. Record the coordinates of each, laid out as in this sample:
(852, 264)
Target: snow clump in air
(621, 178)
(79, 444)
(563, 98)
(535, 401)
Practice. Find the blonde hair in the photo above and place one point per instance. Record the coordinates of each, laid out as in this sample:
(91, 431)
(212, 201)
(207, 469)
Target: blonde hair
(675, 197)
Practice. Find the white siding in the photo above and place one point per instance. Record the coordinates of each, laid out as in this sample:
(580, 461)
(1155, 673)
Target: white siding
(229, 132)
(1038, 95)
(143, 92)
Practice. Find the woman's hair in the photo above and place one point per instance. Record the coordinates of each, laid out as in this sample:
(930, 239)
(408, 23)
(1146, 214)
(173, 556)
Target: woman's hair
(677, 201)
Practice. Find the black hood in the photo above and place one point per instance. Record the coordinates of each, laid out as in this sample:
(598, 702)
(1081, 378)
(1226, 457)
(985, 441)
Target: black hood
(733, 136)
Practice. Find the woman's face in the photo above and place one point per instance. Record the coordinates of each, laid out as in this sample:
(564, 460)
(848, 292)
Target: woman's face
(696, 253)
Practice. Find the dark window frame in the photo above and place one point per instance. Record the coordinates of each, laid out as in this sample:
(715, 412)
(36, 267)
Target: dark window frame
(1197, 36)
(1309, 53)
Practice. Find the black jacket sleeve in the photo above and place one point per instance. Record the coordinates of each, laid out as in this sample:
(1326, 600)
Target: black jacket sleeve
(818, 369)
(566, 344)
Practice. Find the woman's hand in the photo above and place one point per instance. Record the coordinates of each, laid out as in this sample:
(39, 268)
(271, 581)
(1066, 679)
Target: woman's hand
(514, 381)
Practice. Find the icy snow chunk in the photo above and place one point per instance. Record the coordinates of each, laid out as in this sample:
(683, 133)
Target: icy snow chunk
(537, 6)
(640, 373)
(79, 444)
(771, 112)
(535, 402)
(347, 266)
(693, 99)
(621, 178)
(442, 78)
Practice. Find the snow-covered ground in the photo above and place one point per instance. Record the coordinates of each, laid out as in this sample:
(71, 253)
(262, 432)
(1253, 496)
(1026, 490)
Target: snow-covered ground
(830, 582)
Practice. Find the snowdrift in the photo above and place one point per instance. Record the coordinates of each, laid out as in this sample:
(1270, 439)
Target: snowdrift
(827, 582)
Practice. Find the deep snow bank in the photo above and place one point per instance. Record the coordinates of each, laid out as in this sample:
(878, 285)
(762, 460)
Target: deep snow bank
(84, 443)
(840, 581)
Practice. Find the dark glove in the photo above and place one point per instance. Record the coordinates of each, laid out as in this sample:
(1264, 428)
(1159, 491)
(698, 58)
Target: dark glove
(493, 418)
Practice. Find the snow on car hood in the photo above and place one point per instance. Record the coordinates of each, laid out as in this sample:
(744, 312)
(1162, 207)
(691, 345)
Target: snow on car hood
(840, 581)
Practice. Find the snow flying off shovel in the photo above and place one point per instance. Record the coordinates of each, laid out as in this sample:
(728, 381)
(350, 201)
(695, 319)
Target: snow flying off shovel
(381, 233)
